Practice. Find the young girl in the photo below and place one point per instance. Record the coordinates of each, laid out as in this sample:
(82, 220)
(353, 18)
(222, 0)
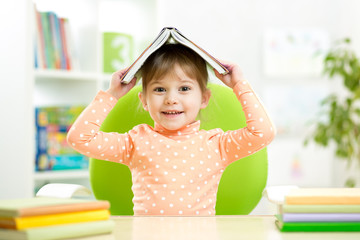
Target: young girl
(176, 168)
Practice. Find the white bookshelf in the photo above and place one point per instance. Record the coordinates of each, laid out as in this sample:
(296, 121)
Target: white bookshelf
(79, 86)
(31, 87)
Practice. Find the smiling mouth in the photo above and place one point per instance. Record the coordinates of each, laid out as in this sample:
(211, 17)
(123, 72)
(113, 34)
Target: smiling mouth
(172, 113)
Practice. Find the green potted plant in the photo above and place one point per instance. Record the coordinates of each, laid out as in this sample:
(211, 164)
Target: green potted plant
(339, 123)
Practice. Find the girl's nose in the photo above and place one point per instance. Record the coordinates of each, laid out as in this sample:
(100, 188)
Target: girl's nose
(171, 99)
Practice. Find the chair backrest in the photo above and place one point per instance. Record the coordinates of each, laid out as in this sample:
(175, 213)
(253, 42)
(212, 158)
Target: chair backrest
(241, 184)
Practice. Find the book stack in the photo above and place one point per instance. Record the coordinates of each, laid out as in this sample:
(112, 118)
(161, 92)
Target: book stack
(320, 209)
(53, 218)
(53, 45)
(52, 149)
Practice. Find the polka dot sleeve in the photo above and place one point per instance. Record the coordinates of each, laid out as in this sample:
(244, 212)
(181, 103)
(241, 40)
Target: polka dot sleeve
(85, 137)
(257, 134)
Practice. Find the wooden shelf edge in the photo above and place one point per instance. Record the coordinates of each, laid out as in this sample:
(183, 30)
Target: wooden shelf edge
(50, 74)
(63, 174)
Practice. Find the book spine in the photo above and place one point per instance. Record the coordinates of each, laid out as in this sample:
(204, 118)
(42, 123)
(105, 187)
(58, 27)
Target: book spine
(68, 231)
(39, 39)
(64, 208)
(45, 20)
(314, 200)
(41, 140)
(63, 218)
(55, 39)
(321, 217)
(65, 50)
(320, 208)
(71, 50)
(319, 227)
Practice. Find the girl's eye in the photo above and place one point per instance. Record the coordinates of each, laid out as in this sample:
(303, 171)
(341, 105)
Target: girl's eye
(159, 89)
(184, 89)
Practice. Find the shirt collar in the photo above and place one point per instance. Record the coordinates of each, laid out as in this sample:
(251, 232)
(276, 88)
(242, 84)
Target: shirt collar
(186, 130)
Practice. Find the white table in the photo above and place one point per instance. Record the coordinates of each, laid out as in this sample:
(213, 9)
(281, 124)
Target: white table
(210, 228)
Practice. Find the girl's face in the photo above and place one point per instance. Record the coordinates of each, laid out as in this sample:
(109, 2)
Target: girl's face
(175, 100)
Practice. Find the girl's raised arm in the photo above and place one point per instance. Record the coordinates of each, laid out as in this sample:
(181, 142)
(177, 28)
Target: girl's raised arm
(84, 135)
(259, 130)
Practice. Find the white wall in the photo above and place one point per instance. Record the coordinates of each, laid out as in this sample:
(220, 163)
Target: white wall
(234, 30)
(16, 121)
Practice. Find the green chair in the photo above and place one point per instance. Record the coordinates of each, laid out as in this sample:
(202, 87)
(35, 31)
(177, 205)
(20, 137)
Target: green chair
(241, 184)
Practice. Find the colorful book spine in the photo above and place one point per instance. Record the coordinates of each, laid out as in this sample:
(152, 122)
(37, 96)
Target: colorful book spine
(49, 59)
(39, 41)
(65, 49)
(55, 38)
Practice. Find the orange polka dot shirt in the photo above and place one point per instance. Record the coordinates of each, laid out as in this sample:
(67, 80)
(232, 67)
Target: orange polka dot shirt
(173, 172)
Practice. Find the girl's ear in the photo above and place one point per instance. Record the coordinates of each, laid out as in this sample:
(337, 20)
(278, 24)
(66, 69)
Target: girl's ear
(205, 99)
(143, 101)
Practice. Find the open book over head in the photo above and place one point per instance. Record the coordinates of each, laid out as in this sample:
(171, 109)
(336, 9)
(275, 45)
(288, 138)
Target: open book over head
(169, 35)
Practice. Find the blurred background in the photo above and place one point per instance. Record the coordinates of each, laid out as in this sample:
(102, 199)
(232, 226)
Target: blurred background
(56, 54)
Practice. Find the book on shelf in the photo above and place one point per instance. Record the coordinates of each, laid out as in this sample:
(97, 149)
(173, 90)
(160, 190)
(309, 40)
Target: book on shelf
(53, 42)
(169, 35)
(118, 49)
(64, 231)
(52, 149)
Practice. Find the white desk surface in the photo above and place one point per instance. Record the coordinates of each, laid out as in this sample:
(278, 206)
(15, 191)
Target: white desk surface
(210, 228)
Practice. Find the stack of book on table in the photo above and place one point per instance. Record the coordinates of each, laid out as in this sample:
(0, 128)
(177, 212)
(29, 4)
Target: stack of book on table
(53, 218)
(320, 209)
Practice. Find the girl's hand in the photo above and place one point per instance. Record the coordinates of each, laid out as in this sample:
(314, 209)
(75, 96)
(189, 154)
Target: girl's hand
(233, 77)
(118, 89)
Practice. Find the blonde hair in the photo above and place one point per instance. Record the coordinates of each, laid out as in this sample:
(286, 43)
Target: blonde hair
(166, 57)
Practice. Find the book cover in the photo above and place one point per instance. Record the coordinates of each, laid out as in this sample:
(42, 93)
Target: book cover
(118, 51)
(20, 223)
(64, 231)
(52, 149)
(332, 196)
(167, 35)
